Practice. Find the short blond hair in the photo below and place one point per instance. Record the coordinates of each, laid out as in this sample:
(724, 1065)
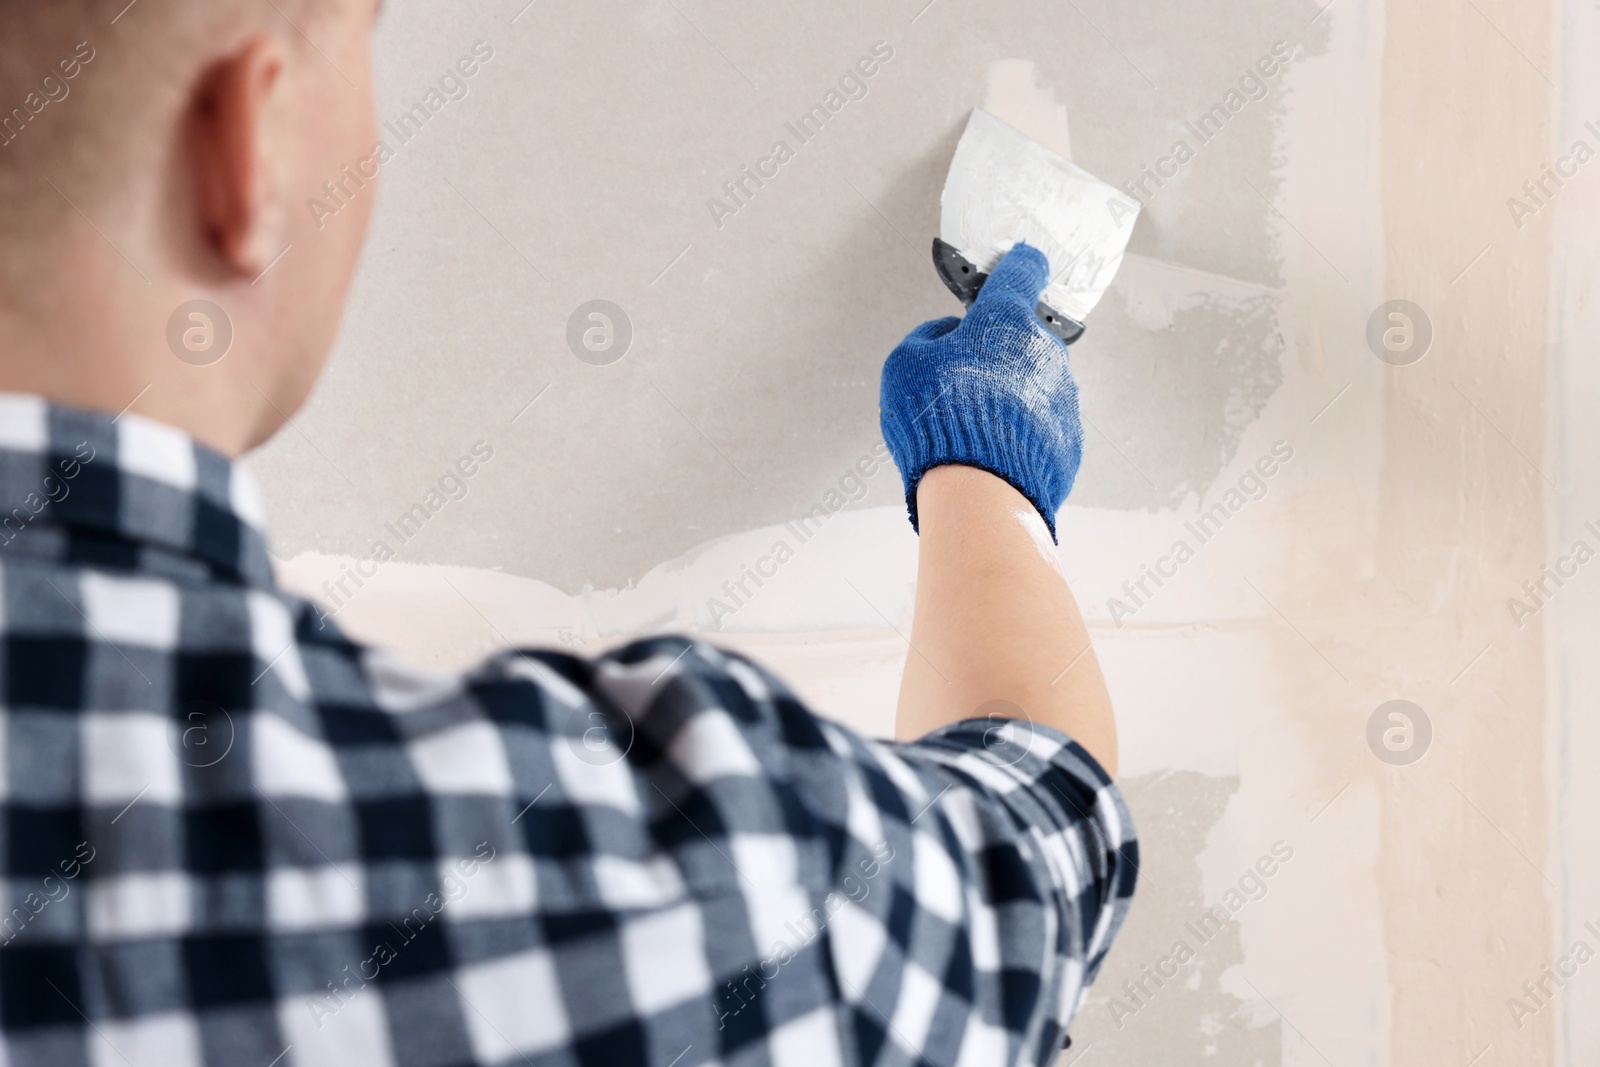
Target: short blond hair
(90, 92)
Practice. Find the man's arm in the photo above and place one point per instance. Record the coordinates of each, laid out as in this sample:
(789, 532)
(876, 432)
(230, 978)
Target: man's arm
(995, 620)
(981, 415)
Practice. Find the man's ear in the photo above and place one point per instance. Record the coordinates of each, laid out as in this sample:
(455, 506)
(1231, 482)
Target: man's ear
(241, 208)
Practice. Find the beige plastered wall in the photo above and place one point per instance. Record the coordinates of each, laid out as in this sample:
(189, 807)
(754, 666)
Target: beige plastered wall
(1468, 905)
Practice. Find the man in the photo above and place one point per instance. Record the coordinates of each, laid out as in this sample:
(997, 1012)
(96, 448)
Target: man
(232, 836)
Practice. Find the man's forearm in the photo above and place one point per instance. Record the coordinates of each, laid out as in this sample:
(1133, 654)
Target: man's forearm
(995, 620)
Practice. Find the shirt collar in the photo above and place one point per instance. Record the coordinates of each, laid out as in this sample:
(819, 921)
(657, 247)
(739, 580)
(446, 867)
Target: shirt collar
(86, 487)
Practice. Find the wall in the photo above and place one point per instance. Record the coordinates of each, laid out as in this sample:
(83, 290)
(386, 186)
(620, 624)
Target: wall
(1572, 741)
(1405, 505)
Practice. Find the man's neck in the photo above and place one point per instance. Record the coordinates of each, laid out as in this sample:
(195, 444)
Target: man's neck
(100, 343)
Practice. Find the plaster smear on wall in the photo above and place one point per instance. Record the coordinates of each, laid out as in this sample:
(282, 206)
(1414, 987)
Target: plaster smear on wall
(1208, 338)
(1166, 330)
(1016, 97)
(1166, 996)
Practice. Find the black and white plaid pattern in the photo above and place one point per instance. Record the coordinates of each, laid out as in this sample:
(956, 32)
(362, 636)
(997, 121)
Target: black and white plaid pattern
(232, 836)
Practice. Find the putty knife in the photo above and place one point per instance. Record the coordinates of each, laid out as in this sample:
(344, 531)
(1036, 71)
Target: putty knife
(1003, 188)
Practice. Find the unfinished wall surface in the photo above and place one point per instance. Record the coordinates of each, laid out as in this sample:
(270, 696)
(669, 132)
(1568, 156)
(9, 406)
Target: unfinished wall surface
(1330, 877)
(592, 158)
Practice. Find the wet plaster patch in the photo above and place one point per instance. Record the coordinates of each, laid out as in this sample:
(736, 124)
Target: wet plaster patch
(1190, 1017)
(1174, 370)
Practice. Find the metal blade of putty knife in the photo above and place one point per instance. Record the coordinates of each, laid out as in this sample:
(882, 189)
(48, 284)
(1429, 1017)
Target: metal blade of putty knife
(1004, 187)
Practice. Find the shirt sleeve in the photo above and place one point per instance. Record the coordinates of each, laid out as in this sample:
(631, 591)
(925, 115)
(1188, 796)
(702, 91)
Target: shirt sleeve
(967, 885)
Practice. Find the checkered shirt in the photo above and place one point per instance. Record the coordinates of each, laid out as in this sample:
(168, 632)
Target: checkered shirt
(231, 835)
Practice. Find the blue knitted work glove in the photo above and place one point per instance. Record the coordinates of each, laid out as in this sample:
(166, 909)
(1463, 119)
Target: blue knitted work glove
(992, 390)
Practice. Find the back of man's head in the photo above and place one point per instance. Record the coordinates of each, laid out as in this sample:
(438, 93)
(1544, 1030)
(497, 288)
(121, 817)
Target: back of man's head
(155, 157)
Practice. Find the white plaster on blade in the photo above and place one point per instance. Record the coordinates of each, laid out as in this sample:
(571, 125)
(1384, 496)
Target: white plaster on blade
(1004, 188)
